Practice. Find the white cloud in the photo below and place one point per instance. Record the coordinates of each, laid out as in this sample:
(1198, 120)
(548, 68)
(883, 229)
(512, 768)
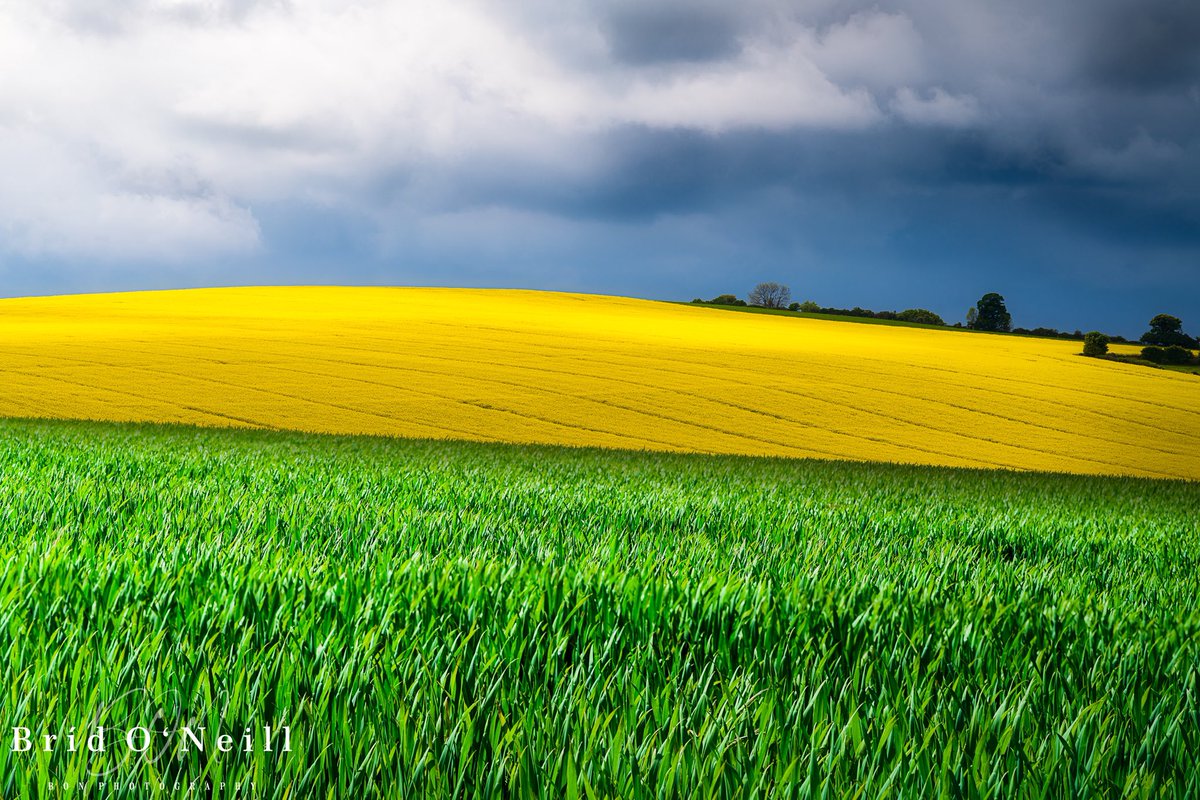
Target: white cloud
(64, 201)
(139, 128)
(767, 88)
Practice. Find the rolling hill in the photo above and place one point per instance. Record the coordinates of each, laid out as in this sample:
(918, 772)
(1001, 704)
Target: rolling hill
(541, 367)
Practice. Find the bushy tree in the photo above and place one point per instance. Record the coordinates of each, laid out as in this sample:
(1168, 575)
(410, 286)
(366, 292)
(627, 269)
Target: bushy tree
(727, 300)
(1174, 354)
(991, 314)
(1095, 343)
(1154, 354)
(809, 307)
(770, 295)
(921, 315)
(1167, 330)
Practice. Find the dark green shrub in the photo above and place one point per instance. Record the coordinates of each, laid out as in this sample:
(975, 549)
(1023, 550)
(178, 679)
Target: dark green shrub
(1177, 355)
(921, 315)
(727, 300)
(1095, 343)
(1154, 354)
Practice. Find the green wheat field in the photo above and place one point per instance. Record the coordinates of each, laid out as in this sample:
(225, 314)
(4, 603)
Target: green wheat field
(435, 619)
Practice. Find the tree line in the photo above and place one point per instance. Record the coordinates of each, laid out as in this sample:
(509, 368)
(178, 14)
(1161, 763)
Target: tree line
(1165, 341)
(779, 297)
(988, 315)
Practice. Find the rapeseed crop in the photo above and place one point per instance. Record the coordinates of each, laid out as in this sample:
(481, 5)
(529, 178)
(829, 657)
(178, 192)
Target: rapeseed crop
(453, 619)
(539, 367)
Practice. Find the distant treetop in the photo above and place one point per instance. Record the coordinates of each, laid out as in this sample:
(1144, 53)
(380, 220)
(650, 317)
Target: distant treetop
(770, 295)
(1167, 330)
(921, 315)
(722, 300)
(991, 314)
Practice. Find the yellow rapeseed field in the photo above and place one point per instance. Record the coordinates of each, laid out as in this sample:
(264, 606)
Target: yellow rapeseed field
(522, 366)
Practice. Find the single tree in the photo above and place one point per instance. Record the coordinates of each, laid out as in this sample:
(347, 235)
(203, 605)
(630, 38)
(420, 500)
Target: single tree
(1165, 324)
(809, 307)
(771, 295)
(1095, 343)
(991, 315)
(1167, 330)
(972, 316)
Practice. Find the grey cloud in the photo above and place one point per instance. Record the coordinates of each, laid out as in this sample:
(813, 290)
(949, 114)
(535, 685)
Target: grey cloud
(645, 33)
(297, 137)
(111, 18)
(1150, 46)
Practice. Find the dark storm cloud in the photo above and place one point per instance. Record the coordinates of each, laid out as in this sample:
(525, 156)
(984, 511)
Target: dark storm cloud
(1146, 47)
(1095, 122)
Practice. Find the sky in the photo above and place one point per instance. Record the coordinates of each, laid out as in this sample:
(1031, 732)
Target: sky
(915, 153)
